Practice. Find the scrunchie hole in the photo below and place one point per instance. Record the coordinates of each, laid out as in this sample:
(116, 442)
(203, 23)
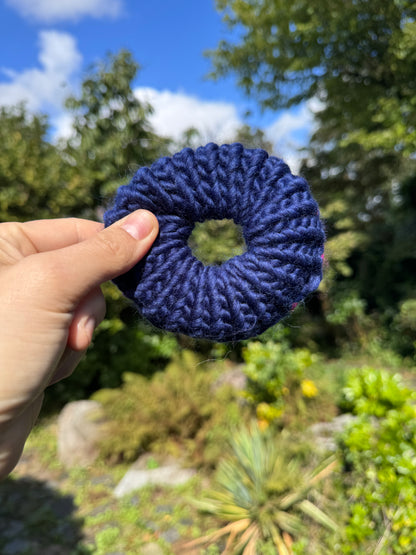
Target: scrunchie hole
(213, 242)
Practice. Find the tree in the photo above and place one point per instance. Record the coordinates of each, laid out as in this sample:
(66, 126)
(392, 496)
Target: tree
(347, 53)
(358, 59)
(253, 137)
(112, 135)
(35, 182)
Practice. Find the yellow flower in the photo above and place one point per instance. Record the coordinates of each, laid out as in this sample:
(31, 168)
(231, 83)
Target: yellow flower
(308, 388)
(262, 424)
(267, 412)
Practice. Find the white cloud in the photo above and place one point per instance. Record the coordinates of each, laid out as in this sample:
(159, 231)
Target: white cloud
(59, 10)
(175, 112)
(291, 131)
(47, 86)
(62, 126)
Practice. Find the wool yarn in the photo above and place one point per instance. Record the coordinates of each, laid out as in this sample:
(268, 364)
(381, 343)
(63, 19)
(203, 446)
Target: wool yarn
(246, 294)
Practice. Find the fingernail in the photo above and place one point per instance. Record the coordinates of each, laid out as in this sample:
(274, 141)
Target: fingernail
(139, 225)
(88, 324)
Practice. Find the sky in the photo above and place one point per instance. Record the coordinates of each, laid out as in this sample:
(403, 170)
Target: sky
(46, 46)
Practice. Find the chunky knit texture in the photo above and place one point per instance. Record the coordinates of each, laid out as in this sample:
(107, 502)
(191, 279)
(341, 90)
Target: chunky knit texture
(245, 295)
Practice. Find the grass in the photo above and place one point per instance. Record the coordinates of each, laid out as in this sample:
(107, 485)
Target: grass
(100, 523)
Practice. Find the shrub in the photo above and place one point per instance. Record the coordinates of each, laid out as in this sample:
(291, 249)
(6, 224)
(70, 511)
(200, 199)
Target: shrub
(175, 411)
(276, 382)
(379, 454)
(373, 392)
(404, 329)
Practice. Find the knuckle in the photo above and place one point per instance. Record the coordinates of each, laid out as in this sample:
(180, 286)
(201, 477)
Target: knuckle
(10, 242)
(112, 247)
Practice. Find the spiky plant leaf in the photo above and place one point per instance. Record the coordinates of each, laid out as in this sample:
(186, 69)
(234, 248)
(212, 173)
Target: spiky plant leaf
(262, 493)
(317, 515)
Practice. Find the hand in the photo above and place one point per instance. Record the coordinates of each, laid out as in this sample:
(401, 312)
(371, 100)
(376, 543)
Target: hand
(50, 304)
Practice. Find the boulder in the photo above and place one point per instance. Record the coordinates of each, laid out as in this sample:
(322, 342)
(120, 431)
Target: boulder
(169, 474)
(325, 433)
(81, 426)
(152, 549)
(234, 377)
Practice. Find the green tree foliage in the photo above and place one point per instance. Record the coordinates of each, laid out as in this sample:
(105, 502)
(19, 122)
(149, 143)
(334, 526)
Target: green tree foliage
(253, 137)
(357, 57)
(35, 181)
(355, 62)
(112, 135)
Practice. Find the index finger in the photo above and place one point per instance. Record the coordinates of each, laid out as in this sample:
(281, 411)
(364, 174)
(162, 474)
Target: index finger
(48, 235)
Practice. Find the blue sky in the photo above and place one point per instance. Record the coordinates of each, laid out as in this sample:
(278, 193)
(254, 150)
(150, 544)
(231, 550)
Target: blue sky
(46, 45)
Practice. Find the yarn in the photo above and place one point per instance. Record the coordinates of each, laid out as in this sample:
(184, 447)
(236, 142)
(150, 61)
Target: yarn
(246, 294)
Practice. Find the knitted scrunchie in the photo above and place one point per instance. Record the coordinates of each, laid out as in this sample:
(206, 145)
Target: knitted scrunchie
(245, 295)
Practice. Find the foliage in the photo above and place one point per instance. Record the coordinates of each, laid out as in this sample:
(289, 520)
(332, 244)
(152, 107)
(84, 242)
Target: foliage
(379, 453)
(74, 516)
(262, 495)
(215, 241)
(112, 136)
(175, 411)
(348, 317)
(288, 53)
(353, 63)
(374, 392)
(253, 137)
(404, 328)
(276, 381)
(35, 181)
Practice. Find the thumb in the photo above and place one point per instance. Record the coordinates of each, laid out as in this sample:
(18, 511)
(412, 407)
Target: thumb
(107, 254)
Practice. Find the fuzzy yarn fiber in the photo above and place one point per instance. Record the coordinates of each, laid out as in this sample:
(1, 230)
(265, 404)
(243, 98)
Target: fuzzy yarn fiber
(245, 295)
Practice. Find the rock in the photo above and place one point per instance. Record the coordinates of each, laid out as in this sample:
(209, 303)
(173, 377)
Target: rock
(168, 509)
(325, 432)
(171, 535)
(151, 549)
(17, 547)
(80, 427)
(235, 378)
(12, 528)
(135, 478)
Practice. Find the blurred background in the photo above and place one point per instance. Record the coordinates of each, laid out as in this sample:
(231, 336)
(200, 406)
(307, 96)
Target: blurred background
(92, 90)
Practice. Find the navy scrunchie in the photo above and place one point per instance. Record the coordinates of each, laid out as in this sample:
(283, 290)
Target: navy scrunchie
(246, 294)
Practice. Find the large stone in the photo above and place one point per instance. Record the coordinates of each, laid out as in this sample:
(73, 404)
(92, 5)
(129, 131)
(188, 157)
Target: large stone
(171, 474)
(80, 428)
(151, 549)
(234, 377)
(325, 433)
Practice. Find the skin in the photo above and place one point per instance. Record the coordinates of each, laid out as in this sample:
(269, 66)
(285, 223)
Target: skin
(50, 304)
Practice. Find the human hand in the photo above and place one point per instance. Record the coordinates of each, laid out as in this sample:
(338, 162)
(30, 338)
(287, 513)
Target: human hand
(50, 304)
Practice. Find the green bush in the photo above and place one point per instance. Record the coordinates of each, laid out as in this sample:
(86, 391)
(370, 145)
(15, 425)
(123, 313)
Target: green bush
(177, 411)
(373, 392)
(379, 454)
(276, 382)
(404, 329)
